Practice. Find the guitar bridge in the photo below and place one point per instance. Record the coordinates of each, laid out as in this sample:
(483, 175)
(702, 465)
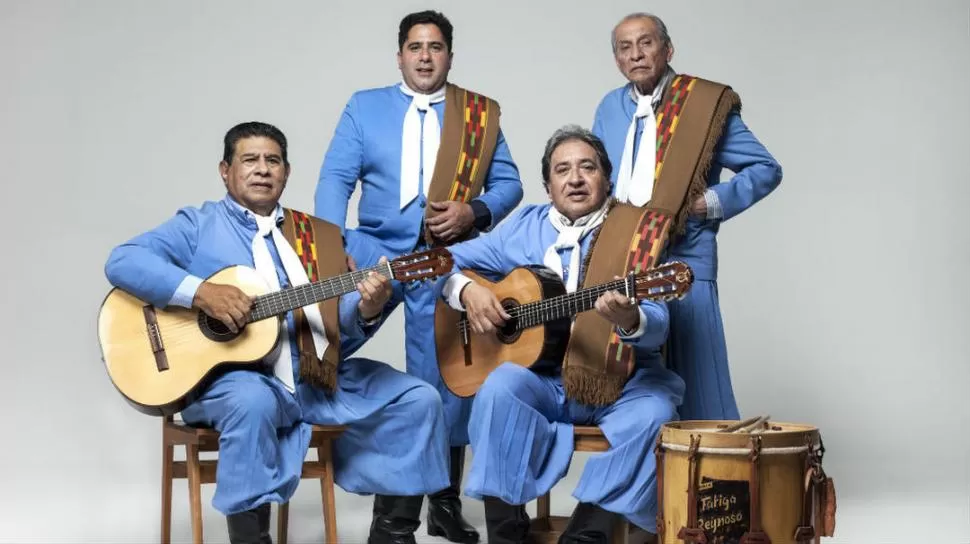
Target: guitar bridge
(466, 340)
(155, 338)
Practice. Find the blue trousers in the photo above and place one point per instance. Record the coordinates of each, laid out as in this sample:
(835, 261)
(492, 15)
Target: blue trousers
(521, 432)
(698, 354)
(394, 444)
(419, 299)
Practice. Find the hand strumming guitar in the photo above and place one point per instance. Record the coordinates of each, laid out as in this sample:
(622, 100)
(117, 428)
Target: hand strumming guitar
(484, 311)
(375, 291)
(226, 303)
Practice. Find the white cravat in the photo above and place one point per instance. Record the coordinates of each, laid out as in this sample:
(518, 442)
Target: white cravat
(571, 233)
(634, 182)
(283, 365)
(412, 135)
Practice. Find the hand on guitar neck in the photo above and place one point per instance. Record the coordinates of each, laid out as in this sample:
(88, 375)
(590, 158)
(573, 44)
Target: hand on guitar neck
(618, 309)
(374, 291)
(227, 303)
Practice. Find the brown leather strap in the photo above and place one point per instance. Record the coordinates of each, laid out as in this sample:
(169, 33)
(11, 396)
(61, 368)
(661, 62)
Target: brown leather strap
(691, 533)
(658, 452)
(755, 534)
(805, 531)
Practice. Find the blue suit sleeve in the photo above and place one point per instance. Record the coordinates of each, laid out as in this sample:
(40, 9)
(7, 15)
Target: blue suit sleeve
(486, 252)
(151, 266)
(658, 323)
(757, 173)
(503, 185)
(598, 128)
(342, 166)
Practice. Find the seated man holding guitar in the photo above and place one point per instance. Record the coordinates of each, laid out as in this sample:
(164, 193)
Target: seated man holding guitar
(551, 364)
(299, 374)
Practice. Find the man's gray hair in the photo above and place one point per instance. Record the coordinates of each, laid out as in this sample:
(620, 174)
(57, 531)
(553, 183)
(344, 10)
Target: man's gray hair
(575, 132)
(661, 27)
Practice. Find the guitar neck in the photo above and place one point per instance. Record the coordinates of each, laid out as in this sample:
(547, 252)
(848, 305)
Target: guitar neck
(291, 298)
(568, 305)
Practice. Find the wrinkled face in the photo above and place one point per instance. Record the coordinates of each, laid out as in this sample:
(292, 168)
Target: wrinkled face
(641, 54)
(424, 59)
(577, 183)
(257, 175)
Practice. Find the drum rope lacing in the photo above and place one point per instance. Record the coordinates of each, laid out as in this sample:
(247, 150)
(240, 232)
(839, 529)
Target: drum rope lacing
(787, 450)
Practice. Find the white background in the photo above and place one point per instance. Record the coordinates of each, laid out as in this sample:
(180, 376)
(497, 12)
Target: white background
(844, 292)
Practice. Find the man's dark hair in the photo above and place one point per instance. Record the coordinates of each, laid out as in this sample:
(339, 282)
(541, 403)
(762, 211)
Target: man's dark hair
(252, 129)
(575, 132)
(423, 18)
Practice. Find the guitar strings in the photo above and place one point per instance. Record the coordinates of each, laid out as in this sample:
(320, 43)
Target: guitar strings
(534, 313)
(275, 302)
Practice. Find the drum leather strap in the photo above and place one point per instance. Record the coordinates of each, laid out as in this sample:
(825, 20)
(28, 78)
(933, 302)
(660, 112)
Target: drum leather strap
(691, 533)
(805, 532)
(658, 452)
(755, 534)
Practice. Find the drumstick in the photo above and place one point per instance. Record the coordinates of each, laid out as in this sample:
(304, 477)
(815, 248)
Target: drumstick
(751, 427)
(739, 425)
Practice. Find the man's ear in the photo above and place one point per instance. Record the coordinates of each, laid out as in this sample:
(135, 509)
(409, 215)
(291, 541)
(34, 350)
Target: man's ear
(224, 172)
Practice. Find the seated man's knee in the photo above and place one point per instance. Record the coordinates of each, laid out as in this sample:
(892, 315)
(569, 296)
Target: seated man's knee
(423, 398)
(252, 401)
(509, 379)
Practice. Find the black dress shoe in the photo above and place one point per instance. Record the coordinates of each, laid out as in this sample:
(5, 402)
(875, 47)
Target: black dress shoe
(506, 523)
(250, 527)
(589, 524)
(444, 507)
(395, 519)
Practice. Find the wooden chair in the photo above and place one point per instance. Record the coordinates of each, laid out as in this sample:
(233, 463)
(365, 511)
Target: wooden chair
(546, 528)
(199, 472)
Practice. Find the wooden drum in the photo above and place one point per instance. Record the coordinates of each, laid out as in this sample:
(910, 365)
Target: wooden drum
(752, 482)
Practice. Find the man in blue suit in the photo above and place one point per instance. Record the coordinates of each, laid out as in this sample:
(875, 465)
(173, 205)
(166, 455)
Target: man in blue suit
(434, 169)
(645, 114)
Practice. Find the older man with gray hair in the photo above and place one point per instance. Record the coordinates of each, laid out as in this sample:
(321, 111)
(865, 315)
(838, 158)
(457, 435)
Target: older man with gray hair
(689, 129)
(521, 424)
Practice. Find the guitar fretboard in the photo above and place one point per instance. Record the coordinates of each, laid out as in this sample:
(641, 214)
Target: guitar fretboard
(291, 298)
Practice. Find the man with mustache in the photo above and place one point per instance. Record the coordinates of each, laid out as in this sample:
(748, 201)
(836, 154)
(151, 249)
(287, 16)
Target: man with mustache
(434, 169)
(264, 414)
(670, 135)
(522, 419)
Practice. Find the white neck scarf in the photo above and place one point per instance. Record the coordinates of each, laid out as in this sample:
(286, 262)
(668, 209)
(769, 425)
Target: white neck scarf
(283, 363)
(413, 158)
(634, 182)
(571, 233)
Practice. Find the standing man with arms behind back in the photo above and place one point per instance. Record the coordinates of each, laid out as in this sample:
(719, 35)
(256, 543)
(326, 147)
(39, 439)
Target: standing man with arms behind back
(424, 151)
(692, 129)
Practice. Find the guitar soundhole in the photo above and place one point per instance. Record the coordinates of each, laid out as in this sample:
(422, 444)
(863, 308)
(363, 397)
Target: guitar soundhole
(215, 330)
(509, 332)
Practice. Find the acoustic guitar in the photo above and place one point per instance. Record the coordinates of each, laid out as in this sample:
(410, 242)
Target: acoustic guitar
(541, 317)
(160, 359)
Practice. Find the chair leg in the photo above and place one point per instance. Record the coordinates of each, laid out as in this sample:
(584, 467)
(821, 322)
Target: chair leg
(621, 532)
(167, 460)
(195, 490)
(542, 507)
(326, 491)
(282, 517)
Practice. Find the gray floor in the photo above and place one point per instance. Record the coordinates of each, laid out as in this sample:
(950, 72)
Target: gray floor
(885, 518)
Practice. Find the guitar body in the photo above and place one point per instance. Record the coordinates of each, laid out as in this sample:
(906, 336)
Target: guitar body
(465, 360)
(194, 346)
